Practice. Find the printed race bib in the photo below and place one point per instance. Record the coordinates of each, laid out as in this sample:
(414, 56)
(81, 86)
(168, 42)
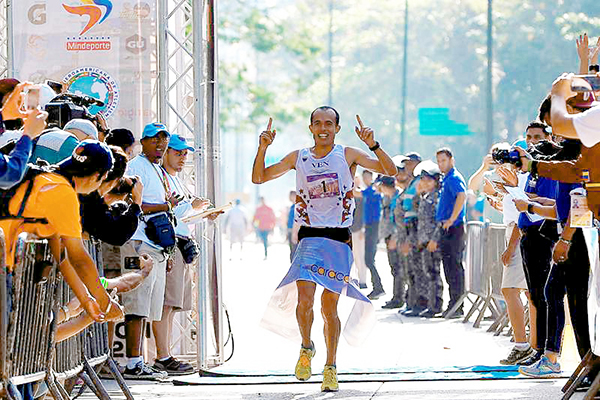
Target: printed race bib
(323, 186)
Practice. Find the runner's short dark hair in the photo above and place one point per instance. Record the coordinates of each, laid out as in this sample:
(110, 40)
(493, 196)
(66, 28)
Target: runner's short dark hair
(337, 115)
(446, 151)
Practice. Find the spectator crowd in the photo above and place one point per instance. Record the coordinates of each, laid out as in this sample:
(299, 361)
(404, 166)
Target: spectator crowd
(79, 180)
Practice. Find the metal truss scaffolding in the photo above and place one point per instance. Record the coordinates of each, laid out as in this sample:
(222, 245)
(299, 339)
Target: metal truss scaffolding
(186, 91)
(187, 99)
(5, 39)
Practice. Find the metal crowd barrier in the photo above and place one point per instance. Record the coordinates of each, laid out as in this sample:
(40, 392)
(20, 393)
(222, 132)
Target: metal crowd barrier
(483, 270)
(81, 354)
(30, 326)
(27, 327)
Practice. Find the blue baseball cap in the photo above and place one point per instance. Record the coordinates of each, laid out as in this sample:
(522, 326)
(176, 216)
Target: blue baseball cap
(88, 157)
(179, 143)
(154, 129)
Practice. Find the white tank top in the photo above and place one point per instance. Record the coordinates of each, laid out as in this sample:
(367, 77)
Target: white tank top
(324, 190)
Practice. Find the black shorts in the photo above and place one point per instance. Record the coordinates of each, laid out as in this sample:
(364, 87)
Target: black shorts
(342, 235)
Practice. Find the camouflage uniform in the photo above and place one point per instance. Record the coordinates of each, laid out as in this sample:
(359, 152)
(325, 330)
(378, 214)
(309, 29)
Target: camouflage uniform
(418, 287)
(387, 230)
(428, 229)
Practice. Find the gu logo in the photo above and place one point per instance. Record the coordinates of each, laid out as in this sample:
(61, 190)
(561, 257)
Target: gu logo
(91, 8)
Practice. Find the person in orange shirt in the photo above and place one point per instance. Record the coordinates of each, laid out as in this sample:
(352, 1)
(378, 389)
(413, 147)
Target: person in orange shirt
(47, 205)
(264, 219)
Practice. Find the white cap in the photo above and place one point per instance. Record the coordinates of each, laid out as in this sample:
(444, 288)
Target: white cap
(84, 126)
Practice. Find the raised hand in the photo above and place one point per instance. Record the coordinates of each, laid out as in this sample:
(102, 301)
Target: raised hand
(12, 106)
(594, 53)
(267, 136)
(365, 133)
(583, 47)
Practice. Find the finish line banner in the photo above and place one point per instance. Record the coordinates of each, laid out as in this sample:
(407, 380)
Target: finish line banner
(101, 48)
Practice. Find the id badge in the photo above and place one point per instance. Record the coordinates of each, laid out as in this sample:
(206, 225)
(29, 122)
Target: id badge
(581, 216)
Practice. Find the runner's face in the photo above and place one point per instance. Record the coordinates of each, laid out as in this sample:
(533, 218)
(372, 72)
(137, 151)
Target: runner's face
(175, 159)
(323, 127)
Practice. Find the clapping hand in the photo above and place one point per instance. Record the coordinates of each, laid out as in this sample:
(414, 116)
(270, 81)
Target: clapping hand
(365, 133)
(267, 136)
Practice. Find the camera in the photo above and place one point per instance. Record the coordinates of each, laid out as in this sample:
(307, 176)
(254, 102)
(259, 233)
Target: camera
(68, 106)
(125, 185)
(507, 156)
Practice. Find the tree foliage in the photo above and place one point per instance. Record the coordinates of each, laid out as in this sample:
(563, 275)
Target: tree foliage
(282, 71)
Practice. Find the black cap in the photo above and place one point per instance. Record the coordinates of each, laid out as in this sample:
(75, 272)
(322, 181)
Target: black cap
(89, 156)
(413, 156)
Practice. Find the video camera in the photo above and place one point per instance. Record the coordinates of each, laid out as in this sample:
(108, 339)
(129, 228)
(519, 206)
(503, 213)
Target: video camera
(507, 156)
(68, 106)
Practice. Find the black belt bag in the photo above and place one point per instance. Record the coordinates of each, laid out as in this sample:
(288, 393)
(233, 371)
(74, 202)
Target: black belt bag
(160, 230)
(188, 248)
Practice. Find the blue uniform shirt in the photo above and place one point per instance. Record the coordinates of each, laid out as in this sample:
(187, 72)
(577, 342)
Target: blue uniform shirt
(14, 166)
(563, 201)
(543, 187)
(371, 206)
(290, 221)
(452, 184)
(410, 214)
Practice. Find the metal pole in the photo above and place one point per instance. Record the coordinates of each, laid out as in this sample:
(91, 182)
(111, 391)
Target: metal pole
(330, 54)
(404, 80)
(208, 173)
(163, 60)
(490, 89)
(10, 41)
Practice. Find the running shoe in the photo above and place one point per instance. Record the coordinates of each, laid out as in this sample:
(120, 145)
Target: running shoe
(515, 356)
(375, 294)
(172, 366)
(544, 368)
(532, 359)
(142, 371)
(303, 371)
(330, 381)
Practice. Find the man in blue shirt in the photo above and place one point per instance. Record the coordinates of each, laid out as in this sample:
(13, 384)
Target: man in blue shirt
(371, 217)
(450, 213)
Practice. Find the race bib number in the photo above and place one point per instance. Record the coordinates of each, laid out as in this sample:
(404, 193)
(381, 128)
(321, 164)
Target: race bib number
(323, 186)
(581, 216)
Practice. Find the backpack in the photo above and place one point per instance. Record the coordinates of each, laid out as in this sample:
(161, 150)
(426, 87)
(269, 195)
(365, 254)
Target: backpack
(6, 195)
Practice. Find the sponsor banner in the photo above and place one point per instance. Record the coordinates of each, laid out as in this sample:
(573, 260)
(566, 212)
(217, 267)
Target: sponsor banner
(100, 48)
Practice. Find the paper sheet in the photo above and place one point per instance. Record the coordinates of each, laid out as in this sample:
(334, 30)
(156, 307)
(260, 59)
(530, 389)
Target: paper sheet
(519, 194)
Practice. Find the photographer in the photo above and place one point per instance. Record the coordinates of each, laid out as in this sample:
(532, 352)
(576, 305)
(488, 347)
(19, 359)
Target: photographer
(14, 165)
(115, 223)
(123, 138)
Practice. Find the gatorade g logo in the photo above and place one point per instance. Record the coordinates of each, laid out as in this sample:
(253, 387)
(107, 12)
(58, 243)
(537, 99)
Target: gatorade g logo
(96, 10)
(37, 14)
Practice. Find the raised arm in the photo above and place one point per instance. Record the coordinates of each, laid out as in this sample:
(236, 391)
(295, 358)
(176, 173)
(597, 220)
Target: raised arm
(562, 121)
(382, 164)
(260, 174)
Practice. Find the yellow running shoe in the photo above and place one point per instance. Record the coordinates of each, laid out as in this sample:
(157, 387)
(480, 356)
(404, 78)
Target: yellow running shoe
(303, 370)
(330, 381)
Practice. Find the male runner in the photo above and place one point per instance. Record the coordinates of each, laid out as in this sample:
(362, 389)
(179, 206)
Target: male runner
(324, 205)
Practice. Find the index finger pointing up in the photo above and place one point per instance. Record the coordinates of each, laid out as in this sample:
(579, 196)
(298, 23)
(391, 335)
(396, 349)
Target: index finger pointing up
(359, 121)
(270, 123)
